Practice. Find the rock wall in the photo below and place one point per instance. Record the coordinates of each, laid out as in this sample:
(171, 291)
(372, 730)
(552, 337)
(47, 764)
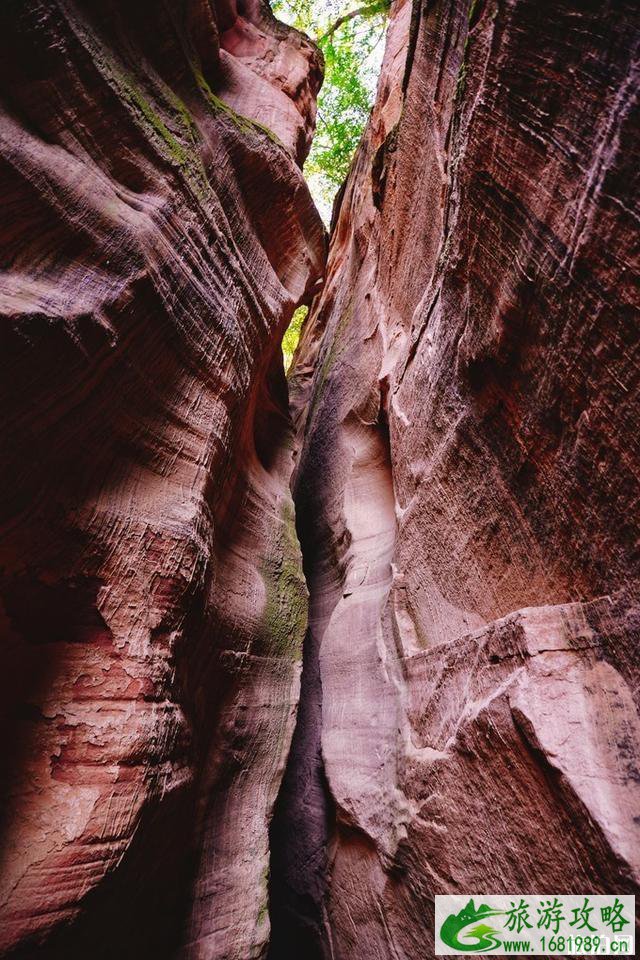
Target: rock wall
(466, 405)
(466, 392)
(156, 237)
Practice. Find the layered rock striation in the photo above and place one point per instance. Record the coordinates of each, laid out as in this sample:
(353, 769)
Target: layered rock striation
(156, 237)
(462, 559)
(466, 392)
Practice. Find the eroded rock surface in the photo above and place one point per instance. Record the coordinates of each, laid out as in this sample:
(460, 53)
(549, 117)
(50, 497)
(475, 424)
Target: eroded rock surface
(156, 238)
(467, 488)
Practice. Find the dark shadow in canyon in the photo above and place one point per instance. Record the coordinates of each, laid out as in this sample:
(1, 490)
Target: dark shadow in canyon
(303, 817)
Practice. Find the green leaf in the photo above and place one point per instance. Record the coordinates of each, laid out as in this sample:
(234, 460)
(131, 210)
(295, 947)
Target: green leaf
(352, 52)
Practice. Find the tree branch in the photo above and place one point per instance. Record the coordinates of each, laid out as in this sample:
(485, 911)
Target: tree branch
(367, 10)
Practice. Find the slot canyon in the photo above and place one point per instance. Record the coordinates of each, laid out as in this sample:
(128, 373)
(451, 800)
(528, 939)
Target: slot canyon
(286, 656)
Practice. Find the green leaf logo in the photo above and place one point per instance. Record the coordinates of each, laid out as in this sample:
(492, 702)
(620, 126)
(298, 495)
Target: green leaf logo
(486, 937)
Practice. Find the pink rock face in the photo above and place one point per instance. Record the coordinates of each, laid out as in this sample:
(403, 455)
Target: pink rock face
(155, 243)
(258, 54)
(466, 405)
(467, 401)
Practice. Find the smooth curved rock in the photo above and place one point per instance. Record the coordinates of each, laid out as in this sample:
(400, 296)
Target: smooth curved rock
(155, 243)
(467, 398)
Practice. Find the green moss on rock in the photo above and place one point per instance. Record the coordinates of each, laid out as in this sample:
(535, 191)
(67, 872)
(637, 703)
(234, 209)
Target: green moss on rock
(245, 124)
(286, 606)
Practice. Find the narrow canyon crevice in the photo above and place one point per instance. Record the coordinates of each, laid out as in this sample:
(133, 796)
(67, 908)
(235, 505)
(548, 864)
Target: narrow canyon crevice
(285, 658)
(303, 819)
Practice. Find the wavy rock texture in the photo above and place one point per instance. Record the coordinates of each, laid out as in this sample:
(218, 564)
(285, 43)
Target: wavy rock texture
(467, 397)
(156, 238)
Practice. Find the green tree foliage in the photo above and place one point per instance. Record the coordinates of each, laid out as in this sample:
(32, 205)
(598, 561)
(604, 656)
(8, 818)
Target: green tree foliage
(350, 37)
(292, 335)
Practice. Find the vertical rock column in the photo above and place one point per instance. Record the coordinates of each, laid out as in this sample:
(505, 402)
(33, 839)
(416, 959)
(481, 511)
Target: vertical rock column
(467, 399)
(157, 236)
